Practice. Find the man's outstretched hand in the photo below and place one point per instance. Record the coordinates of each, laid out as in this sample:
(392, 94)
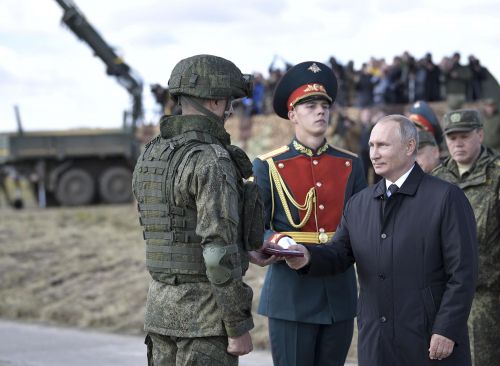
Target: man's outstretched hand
(262, 259)
(298, 262)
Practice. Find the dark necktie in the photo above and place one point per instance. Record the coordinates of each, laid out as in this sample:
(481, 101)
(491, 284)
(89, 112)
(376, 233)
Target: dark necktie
(391, 190)
(388, 203)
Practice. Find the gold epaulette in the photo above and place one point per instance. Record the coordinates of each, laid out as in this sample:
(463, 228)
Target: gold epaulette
(273, 153)
(345, 151)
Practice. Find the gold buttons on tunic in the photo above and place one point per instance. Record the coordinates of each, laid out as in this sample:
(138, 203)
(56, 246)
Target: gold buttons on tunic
(281, 165)
(315, 162)
(319, 184)
(321, 207)
(321, 230)
(347, 163)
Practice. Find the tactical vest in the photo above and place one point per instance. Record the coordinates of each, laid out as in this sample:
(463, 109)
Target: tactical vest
(172, 246)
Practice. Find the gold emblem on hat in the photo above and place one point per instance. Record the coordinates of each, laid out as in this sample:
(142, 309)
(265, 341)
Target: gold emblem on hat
(323, 238)
(314, 68)
(455, 117)
(314, 88)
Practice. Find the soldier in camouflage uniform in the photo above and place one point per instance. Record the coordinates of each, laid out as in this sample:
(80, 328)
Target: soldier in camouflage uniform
(491, 124)
(476, 169)
(456, 79)
(427, 151)
(196, 213)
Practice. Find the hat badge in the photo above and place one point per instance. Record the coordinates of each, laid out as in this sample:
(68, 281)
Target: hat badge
(314, 68)
(455, 117)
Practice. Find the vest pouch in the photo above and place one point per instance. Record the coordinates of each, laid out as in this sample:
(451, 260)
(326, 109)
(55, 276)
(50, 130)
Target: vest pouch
(253, 217)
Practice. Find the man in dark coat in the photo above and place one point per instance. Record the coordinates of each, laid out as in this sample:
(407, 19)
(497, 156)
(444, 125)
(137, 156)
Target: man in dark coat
(413, 237)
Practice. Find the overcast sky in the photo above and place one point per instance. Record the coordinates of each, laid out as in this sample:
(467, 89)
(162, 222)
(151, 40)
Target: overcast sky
(58, 84)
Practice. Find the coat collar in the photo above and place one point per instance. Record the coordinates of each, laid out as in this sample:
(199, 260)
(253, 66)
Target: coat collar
(302, 149)
(477, 170)
(409, 187)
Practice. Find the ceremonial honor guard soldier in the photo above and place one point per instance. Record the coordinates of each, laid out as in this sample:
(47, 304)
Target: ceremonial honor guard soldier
(304, 186)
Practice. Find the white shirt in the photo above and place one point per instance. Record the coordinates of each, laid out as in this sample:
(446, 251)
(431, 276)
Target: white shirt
(400, 180)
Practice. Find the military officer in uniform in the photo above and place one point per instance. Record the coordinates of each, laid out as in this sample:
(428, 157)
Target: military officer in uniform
(427, 151)
(304, 186)
(430, 135)
(198, 222)
(476, 170)
(491, 124)
(426, 120)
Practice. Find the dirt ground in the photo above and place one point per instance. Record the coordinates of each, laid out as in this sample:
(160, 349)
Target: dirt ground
(82, 267)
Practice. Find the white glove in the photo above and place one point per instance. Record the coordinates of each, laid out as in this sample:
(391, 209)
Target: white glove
(286, 242)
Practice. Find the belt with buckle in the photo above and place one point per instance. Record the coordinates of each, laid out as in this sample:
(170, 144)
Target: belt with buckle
(314, 237)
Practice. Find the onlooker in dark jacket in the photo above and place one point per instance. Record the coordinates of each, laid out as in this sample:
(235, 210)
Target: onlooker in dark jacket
(432, 80)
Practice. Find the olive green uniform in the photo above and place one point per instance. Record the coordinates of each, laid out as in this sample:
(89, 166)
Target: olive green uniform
(481, 185)
(189, 188)
(492, 131)
(456, 85)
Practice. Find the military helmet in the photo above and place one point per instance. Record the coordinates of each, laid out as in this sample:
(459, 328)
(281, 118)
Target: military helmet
(305, 81)
(208, 77)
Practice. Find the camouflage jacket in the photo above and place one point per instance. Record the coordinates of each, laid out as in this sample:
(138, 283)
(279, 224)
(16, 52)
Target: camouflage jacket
(481, 185)
(457, 79)
(209, 182)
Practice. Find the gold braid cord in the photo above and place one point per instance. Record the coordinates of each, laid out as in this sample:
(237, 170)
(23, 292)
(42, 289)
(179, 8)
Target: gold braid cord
(283, 193)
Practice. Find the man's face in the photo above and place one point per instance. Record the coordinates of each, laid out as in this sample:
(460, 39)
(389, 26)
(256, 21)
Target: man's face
(465, 146)
(390, 156)
(310, 118)
(428, 157)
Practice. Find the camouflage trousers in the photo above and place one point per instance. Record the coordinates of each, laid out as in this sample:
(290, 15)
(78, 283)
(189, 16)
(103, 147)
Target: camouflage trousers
(483, 329)
(176, 351)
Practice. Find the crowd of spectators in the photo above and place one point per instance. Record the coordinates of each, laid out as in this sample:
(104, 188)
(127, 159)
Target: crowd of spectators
(376, 89)
(404, 80)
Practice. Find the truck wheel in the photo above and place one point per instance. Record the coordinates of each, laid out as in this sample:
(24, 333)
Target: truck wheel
(75, 187)
(115, 185)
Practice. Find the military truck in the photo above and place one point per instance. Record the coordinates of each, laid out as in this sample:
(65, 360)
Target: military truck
(81, 167)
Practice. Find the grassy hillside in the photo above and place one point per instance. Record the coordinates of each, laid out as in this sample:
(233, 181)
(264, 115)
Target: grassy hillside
(82, 267)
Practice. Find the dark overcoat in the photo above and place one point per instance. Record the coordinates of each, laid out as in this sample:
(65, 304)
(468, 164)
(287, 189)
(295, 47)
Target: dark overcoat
(416, 257)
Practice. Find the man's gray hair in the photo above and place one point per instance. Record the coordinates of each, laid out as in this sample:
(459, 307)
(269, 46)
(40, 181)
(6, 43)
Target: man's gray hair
(407, 129)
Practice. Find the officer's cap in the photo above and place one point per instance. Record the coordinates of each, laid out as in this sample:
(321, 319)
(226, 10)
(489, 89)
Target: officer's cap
(305, 81)
(424, 117)
(462, 120)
